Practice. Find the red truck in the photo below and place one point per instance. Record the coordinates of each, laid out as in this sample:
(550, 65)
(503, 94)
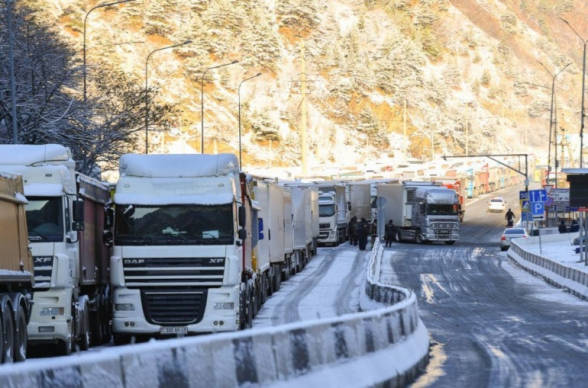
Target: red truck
(459, 185)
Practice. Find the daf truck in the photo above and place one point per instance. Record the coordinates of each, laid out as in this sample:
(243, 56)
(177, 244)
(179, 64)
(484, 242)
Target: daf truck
(16, 270)
(423, 212)
(65, 215)
(185, 229)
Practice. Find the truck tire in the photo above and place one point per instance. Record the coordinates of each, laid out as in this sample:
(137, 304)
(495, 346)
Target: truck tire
(121, 339)
(1, 335)
(8, 331)
(84, 338)
(418, 237)
(65, 348)
(21, 336)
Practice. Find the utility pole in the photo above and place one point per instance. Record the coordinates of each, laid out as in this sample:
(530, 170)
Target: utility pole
(11, 70)
(303, 111)
(404, 126)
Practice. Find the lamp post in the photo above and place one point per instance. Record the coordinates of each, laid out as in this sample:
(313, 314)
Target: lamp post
(11, 70)
(553, 77)
(239, 92)
(85, 19)
(202, 102)
(583, 83)
(147, 90)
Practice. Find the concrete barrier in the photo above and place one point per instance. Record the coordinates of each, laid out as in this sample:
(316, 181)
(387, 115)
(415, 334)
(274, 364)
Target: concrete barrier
(388, 346)
(558, 274)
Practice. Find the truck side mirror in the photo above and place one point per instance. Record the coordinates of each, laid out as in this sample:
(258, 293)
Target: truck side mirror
(348, 205)
(242, 216)
(108, 217)
(78, 215)
(242, 234)
(107, 238)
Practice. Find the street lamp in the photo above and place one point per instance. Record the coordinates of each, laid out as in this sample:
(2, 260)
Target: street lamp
(202, 101)
(11, 70)
(583, 83)
(239, 92)
(85, 19)
(147, 90)
(553, 77)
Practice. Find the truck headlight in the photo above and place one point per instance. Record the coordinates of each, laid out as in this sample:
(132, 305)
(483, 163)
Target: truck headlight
(51, 311)
(224, 306)
(124, 307)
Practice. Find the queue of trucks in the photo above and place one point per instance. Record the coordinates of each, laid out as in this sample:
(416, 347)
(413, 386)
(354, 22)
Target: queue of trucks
(181, 244)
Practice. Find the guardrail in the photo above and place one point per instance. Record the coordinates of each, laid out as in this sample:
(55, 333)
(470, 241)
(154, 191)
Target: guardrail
(393, 338)
(558, 274)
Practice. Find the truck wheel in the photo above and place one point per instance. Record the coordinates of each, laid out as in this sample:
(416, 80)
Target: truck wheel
(7, 331)
(65, 348)
(84, 336)
(1, 336)
(21, 336)
(418, 237)
(248, 308)
(121, 339)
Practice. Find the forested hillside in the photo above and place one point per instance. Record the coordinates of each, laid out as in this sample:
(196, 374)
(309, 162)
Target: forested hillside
(362, 78)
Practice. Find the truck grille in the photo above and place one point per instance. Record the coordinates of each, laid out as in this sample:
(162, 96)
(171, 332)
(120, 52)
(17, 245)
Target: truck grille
(174, 307)
(43, 267)
(174, 272)
(324, 226)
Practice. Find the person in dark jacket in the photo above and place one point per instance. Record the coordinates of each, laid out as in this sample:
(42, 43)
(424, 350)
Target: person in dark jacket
(574, 227)
(562, 227)
(509, 216)
(353, 231)
(363, 233)
(389, 233)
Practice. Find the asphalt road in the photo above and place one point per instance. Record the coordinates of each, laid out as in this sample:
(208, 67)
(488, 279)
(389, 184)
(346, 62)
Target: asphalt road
(491, 324)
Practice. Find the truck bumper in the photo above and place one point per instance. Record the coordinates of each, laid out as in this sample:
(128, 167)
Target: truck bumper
(432, 236)
(46, 328)
(327, 237)
(221, 313)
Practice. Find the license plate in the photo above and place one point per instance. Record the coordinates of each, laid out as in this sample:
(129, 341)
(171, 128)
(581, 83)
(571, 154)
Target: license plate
(173, 330)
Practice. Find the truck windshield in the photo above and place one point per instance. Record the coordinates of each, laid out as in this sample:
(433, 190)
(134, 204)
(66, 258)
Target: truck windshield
(173, 225)
(45, 219)
(441, 210)
(326, 210)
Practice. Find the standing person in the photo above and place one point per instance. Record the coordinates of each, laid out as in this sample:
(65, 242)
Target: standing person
(509, 216)
(374, 232)
(363, 232)
(562, 227)
(389, 234)
(353, 231)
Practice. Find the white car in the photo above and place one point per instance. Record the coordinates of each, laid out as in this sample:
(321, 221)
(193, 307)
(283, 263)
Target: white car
(510, 233)
(497, 204)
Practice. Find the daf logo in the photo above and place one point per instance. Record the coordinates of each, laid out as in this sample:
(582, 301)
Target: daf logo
(134, 261)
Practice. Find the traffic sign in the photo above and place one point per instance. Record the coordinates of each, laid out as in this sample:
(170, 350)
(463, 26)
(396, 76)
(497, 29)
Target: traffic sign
(523, 195)
(538, 210)
(525, 205)
(538, 195)
(549, 202)
(527, 216)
